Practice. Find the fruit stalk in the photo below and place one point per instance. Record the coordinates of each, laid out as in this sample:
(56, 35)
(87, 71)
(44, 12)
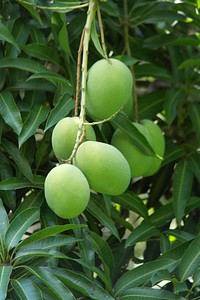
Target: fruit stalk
(86, 39)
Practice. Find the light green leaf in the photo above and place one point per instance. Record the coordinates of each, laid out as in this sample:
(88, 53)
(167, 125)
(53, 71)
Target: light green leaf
(144, 231)
(190, 261)
(61, 110)
(5, 273)
(14, 183)
(142, 274)
(26, 289)
(37, 115)
(123, 123)
(18, 158)
(19, 225)
(24, 64)
(149, 294)
(95, 40)
(132, 202)
(47, 232)
(52, 282)
(183, 179)
(6, 35)
(96, 209)
(10, 112)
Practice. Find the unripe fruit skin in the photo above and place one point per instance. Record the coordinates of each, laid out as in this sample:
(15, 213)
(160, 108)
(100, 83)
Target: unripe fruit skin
(158, 145)
(138, 161)
(64, 136)
(67, 191)
(105, 168)
(109, 87)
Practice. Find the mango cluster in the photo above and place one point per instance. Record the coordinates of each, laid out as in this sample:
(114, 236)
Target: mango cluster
(97, 166)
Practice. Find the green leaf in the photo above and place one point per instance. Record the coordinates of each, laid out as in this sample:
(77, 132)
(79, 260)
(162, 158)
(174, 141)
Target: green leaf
(146, 293)
(5, 273)
(63, 36)
(180, 235)
(52, 282)
(10, 112)
(32, 199)
(37, 115)
(101, 247)
(14, 183)
(4, 224)
(51, 76)
(32, 10)
(142, 274)
(6, 35)
(61, 110)
(95, 40)
(18, 158)
(96, 209)
(50, 243)
(151, 70)
(150, 104)
(190, 62)
(42, 52)
(24, 64)
(173, 152)
(82, 284)
(183, 179)
(26, 289)
(19, 225)
(132, 202)
(194, 161)
(196, 278)
(190, 260)
(47, 232)
(194, 113)
(172, 99)
(123, 123)
(144, 231)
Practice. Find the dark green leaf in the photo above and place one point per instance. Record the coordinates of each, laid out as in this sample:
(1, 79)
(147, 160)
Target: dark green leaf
(5, 273)
(18, 158)
(14, 183)
(37, 115)
(54, 284)
(144, 231)
(190, 62)
(53, 77)
(26, 289)
(190, 261)
(46, 232)
(172, 99)
(194, 161)
(10, 112)
(142, 274)
(149, 293)
(6, 35)
(95, 40)
(150, 70)
(183, 178)
(61, 110)
(24, 64)
(194, 113)
(96, 209)
(132, 202)
(19, 226)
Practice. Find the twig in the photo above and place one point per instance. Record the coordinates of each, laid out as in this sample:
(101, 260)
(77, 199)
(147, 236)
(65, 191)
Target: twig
(104, 120)
(87, 30)
(128, 50)
(78, 73)
(101, 32)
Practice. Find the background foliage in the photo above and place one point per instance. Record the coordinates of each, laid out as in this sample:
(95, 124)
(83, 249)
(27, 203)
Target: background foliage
(145, 243)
